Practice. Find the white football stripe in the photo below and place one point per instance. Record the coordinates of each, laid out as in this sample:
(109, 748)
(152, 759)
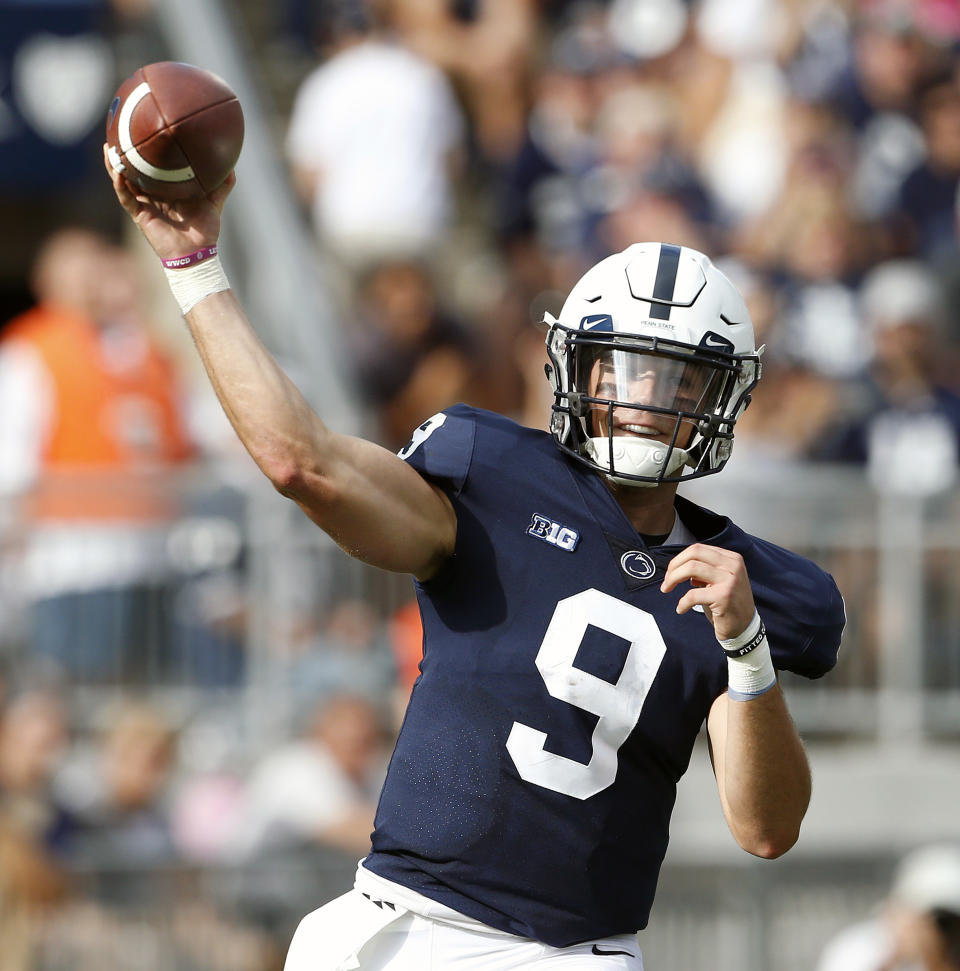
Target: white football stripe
(131, 154)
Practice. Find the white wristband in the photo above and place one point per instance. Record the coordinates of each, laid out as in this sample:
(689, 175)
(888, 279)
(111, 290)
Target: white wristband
(192, 283)
(749, 674)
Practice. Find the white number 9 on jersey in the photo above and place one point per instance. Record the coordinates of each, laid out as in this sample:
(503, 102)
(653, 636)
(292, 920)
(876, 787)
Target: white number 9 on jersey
(618, 706)
(421, 434)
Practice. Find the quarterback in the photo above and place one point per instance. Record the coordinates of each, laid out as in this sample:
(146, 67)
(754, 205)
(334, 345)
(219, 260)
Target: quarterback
(581, 620)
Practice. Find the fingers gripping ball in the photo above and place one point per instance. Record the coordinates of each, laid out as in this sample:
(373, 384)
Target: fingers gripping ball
(174, 130)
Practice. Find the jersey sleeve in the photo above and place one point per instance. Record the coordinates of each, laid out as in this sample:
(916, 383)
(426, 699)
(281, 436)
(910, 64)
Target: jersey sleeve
(441, 449)
(801, 608)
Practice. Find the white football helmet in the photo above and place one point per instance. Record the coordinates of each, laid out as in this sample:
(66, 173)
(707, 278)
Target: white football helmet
(653, 362)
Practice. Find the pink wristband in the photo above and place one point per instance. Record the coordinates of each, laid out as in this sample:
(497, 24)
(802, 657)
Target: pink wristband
(198, 256)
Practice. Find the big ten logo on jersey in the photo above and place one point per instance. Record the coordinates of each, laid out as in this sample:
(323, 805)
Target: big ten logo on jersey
(422, 434)
(563, 537)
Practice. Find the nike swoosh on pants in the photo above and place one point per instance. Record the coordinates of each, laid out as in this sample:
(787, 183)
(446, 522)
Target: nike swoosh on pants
(596, 950)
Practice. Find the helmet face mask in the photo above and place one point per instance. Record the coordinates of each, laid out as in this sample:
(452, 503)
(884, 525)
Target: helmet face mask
(633, 401)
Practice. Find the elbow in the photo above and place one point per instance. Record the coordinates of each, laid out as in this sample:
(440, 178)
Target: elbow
(769, 844)
(285, 476)
(771, 849)
(291, 460)
(296, 480)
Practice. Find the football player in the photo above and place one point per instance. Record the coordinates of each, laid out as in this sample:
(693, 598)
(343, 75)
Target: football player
(581, 620)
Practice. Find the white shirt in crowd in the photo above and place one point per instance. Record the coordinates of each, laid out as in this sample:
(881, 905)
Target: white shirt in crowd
(377, 125)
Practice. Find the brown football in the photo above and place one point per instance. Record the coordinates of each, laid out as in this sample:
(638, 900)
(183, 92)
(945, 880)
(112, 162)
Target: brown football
(174, 130)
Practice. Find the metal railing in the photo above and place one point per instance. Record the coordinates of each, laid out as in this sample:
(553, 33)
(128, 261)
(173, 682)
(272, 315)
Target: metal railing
(896, 560)
(897, 563)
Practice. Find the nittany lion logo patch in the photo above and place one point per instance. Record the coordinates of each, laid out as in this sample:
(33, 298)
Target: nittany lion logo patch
(638, 564)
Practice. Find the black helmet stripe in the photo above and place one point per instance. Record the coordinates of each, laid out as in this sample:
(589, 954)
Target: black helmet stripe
(666, 281)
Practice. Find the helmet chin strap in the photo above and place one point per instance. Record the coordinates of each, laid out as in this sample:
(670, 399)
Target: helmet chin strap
(635, 456)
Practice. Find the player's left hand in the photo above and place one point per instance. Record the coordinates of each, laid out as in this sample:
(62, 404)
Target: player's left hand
(719, 584)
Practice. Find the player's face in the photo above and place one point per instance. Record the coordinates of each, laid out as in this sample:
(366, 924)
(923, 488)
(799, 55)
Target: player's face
(649, 379)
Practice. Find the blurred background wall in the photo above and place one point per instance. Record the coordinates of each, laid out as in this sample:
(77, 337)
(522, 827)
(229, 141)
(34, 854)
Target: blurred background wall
(198, 691)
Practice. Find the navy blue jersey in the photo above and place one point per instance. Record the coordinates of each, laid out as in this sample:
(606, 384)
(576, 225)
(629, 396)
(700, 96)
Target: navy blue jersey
(560, 694)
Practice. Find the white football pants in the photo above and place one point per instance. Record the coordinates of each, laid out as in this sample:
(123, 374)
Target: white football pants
(352, 933)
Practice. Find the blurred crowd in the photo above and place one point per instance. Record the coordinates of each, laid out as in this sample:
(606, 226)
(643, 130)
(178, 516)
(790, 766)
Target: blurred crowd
(915, 927)
(462, 162)
(811, 148)
(102, 828)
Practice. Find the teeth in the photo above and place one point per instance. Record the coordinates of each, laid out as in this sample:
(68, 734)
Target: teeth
(641, 429)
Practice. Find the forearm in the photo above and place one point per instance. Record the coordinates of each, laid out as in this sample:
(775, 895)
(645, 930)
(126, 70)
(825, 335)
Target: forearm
(270, 415)
(758, 758)
(762, 771)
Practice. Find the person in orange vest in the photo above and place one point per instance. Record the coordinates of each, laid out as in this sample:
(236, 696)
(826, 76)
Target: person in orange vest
(91, 430)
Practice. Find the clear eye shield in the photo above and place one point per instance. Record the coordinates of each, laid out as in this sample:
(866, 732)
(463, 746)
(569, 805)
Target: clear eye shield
(618, 380)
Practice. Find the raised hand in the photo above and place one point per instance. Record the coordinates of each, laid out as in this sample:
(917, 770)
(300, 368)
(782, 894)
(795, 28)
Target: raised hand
(719, 584)
(172, 228)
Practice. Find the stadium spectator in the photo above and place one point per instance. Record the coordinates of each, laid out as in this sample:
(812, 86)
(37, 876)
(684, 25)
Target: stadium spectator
(411, 357)
(321, 788)
(891, 53)
(350, 653)
(814, 249)
(118, 789)
(608, 125)
(928, 194)
(904, 398)
(653, 212)
(539, 188)
(876, 99)
(822, 259)
(769, 434)
(644, 185)
(33, 739)
(32, 827)
(90, 434)
(372, 137)
(487, 48)
(918, 926)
